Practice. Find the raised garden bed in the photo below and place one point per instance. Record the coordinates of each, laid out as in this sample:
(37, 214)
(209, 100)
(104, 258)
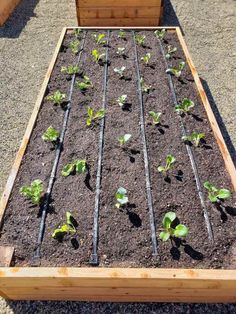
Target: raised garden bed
(119, 13)
(6, 8)
(116, 254)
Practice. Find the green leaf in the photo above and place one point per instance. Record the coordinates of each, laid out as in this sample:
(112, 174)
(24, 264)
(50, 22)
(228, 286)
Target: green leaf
(180, 231)
(223, 194)
(70, 220)
(208, 185)
(80, 166)
(60, 231)
(90, 112)
(171, 216)
(166, 222)
(88, 121)
(68, 169)
(170, 160)
(124, 138)
(33, 192)
(51, 135)
(161, 169)
(99, 114)
(213, 198)
(164, 236)
(121, 196)
(181, 65)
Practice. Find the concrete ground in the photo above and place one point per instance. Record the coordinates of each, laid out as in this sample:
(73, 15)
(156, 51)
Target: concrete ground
(27, 42)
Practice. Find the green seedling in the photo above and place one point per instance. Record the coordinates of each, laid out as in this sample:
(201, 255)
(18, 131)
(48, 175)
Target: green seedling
(185, 106)
(121, 34)
(140, 39)
(180, 231)
(85, 84)
(33, 192)
(77, 32)
(146, 58)
(120, 71)
(170, 51)
(156, 117)
(176, 71)
(122, 100)
(194, 138)
(79, 166)
(124, 139)
(120, 51)
(170, 161)
(68, 228)
(99, 38)
(94, 116)
(74, 46)
(160, 34)
(57, 98)
(215, 195)
(121, 197)
(145, 88)
(51, 135)
(70, 69)
(97, 56)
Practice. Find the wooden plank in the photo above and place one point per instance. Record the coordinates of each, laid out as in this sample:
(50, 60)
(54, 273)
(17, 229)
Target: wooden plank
(6, 8)
(29, 129)
(117, 3)
(211, 117)
(119, 12)
(6, 255)
(121, 22)
(119, 284)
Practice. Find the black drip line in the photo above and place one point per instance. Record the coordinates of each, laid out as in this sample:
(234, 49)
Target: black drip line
(190, 153)
(37, 255)
(94, 256)
(145, 153)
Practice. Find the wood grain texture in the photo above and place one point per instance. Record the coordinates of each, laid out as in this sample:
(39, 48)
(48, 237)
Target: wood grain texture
(210, 114)
(118, 3)
(6, 255)
(116, 284)
(119, 21)
(6, 8)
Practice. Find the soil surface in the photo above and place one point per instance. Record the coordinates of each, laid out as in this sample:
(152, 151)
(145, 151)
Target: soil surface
(124, 233)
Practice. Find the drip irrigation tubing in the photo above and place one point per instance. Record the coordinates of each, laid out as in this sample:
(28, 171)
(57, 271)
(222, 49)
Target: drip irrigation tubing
(37, 252)
(94, 256)
(190, 152)
(145, 153)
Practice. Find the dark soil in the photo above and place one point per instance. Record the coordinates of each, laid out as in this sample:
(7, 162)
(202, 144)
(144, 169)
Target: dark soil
(124, 234)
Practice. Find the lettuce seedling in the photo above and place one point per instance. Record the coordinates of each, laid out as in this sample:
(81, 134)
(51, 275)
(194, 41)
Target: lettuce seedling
(57, 98)
(160, 34)
(33, 192)
(170, 51)
(68, 227)
(74, 46)
(215, 194)
(194, 138)
(121, 34)
(121, 197)
(179, 231)
(93, 116)
(70, 69)
(146, 58)
(156, 117)
(85, 84)
(99, 38)
(120, 71)
(170, 161)
(79, 166)
(145, 88)
(124, 139)
(185, 106)
(97, 56)
(120, 51)
(77, 32)
(140, 39)
(122, 100)
(51, 135)
(176, 71)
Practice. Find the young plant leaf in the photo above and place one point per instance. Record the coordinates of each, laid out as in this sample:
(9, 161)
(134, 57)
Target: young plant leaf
(122, 100)
(121, 197)
(156, 117)
(70, 69)
(170, 161)
(77, 32)
(145, 88)
(120, 71)
(121, 34)
(97, 55)
(57, 98)
(176, 71)
(179, 231)
(120, 51)
(194, 138)
(51, 135)
(67, 228)
(99, 38)
(74, 46)
(146, 58)
(170, 51)
(33, 192)
(160, 34)
(215, 194)
(140, 39)
(68, 169)
(80, 166)
(185, 106)
(124, 139)
(85, 84)
(94, 116)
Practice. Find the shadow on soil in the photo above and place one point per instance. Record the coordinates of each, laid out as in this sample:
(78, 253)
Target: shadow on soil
(18, 19)
(220, 121)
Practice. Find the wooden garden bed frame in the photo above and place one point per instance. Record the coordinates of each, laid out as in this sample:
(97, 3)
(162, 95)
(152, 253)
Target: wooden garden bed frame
(117, 284)
(6, 8)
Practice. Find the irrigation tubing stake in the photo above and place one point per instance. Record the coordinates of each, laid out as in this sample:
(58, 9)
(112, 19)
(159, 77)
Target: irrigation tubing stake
(94, 256)
(145, 153)
(37, 254)
(190, 153)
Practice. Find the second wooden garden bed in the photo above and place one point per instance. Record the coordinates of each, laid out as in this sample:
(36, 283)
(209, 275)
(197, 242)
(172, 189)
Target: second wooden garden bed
(119, 239)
